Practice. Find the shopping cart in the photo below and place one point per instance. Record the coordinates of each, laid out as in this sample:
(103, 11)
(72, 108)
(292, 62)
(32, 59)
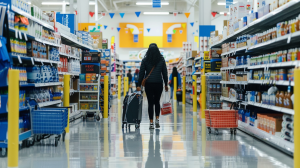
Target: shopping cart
(221, 119)
(46, 122)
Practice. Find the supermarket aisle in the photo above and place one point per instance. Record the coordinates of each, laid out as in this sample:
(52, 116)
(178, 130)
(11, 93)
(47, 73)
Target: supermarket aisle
(180, 142)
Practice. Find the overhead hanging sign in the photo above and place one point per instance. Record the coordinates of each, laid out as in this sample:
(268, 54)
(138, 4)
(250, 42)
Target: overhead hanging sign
(156, 3)
(228, 3)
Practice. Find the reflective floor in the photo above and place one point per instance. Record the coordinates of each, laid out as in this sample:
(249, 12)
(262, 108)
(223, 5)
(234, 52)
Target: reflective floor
(182, 141)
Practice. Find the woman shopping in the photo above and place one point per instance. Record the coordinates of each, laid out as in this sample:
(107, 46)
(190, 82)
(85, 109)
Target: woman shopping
(171, 79)
(154, 76)
(135, 78)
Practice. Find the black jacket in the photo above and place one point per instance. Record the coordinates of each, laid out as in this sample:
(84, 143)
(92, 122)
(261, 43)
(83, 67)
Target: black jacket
(158, 75)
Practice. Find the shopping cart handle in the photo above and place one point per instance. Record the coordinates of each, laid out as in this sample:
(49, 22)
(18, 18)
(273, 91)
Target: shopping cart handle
(62, 107)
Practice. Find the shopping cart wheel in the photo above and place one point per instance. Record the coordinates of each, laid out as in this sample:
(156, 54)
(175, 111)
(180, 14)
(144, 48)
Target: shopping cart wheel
(216, 131)
(64, 136)
(137, 126)
(56, 141)
(27, 143)
(234, 132)
(98, 118)
(209, 130)
(3, 152)
(31, 142)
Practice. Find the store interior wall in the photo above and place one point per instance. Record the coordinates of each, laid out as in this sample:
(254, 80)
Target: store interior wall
(218, 21)
(154, 22)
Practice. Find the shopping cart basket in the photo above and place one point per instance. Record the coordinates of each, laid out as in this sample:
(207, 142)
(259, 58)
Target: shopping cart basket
(219, 119)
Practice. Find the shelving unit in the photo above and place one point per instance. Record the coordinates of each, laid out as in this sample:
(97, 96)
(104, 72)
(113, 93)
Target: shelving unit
(270, 20)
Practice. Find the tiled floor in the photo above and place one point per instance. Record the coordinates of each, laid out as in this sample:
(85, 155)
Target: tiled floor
(182, 141)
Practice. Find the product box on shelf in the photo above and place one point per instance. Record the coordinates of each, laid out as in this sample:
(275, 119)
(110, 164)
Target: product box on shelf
(91, 57)
(215, 53)
(97, 39)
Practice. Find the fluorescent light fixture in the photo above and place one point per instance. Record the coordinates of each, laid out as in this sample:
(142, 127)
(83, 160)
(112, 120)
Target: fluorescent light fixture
(221, 13)
(156, 13)
(61, 3)
(150, 3)
(224, 3)
(29, 3)
(55, 3)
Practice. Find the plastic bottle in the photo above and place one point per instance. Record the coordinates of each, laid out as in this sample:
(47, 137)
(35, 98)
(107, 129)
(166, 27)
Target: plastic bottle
(277, 99)
(289, 55)
(288, 100)
(284, 55)
(281, 99)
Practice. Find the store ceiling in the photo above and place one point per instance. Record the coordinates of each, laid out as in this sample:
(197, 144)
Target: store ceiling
(130, 5)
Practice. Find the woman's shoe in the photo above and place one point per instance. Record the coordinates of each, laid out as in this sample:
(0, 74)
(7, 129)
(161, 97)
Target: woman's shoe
(151, 126)
(157, 123)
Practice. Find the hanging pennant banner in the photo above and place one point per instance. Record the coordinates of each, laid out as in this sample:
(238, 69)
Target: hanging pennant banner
(175, 14)
(192, 24)
(131, 30)
(103, 13)
(111, 15)
(174, 31)
(122, 15)
(91, 14)
(187, 15)
(180, 31)
(137, 14)
(105, 26)
(118, 28)
(99, 26)
(183, 25)
(148, 30)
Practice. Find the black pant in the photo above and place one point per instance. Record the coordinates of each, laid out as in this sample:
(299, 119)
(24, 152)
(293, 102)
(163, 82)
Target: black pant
(153, 92)
(136, 84)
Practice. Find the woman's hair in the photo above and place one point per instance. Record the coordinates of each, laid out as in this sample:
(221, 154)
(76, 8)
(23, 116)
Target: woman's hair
(175, 73)
(153, 54)
(137, 71)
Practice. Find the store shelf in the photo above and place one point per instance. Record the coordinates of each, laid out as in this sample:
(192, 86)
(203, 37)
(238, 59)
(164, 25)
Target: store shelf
(235, 52)
(197, 66)
(50, 103)
(275, 65)
(283, 83)
(197, 58)
(235, 82)
(278, 43)
(190, 58)
(90, 110)
(270, 107)
(67, 73)
(88, 83)
(31, 60)
(48, 43)
(69, 56)
(19, 11)
(22, 32)
(229, 99)
(270, 20)
(272, 140)
(74, 43)
(197, 73)
(189, 65)
(88, 100)
(48, 84)
(234, 67)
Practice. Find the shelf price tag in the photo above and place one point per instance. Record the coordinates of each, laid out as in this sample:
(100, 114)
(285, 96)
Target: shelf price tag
(20, 35)
(289, 39)
(32, 61)
(25, 36)
(20, 60)
(51, 63)
(16, 34)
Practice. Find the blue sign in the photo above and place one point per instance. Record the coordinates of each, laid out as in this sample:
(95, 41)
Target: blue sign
(67, 20)
(169, 38)
(135, 38)
(156, 3)
(228, 3)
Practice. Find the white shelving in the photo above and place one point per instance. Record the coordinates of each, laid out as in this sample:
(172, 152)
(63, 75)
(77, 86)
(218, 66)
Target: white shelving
(48, 43)
(234, 67)
(234, 51)
(48, 84)
(67, 73)
(228, 99)
(197, 65)
(270, 107)
(88, 100)
(70, 56)
(235, 82)
(50, 103)
(76, 42)
(283, 83)
(266, 137)
(280, 64)
(197, 73)
(197, 58)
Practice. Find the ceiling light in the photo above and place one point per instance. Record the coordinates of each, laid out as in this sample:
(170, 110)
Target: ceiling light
(55, 3)
(224, 3)
(29, 3)
(221, 13)
(92, 3)
(156, 13)
(150, 3)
